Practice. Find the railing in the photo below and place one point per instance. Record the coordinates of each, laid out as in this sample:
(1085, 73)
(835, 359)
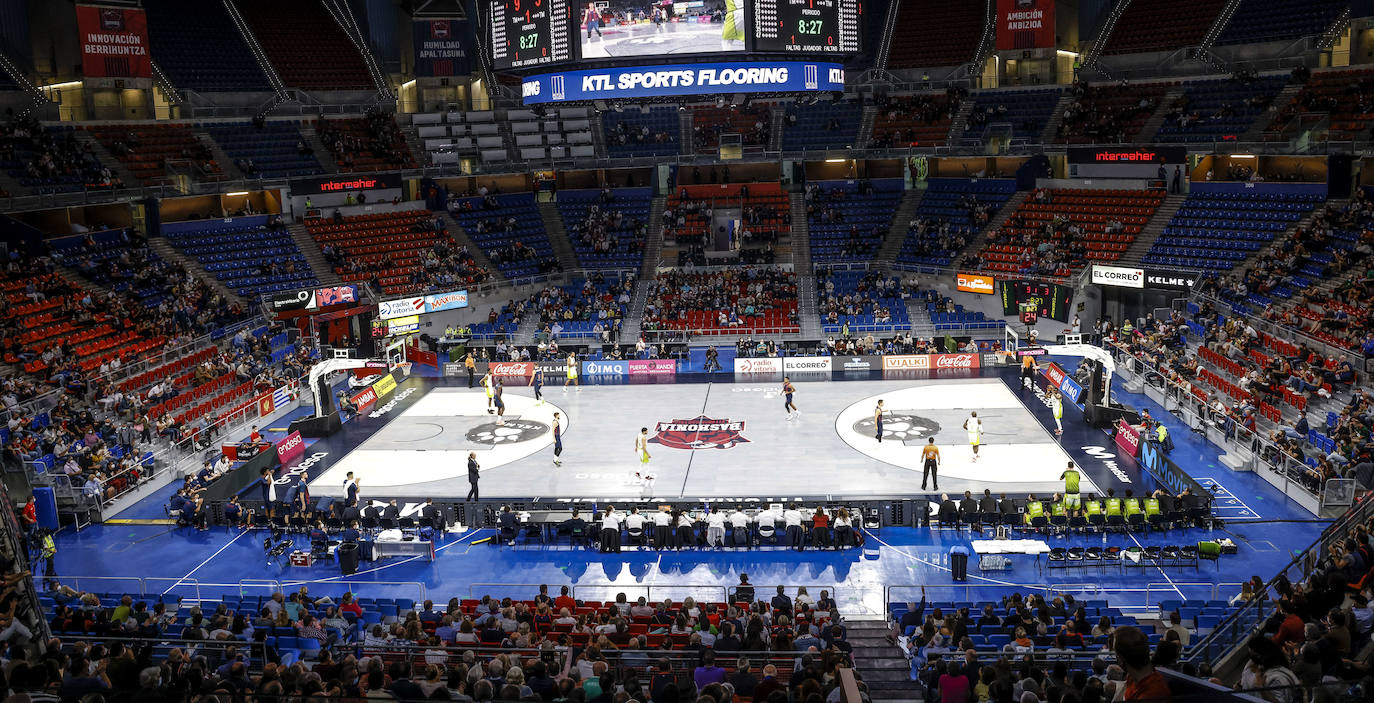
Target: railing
(850, 599)
(1236, 628)
(1288, 334)
(1136, 598)
(1256, 452)
(213, 591)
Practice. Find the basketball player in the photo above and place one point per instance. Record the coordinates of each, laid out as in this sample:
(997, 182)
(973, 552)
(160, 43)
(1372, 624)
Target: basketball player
(1072, 502)
(1028, 369)
(931, 455)
(557, 441)
(878, 421)
(537, 380)
(642, 445)
(975, 432)
(572, 373)
(789, 407)
(500, 404)
(1057, 407)
(487, 382)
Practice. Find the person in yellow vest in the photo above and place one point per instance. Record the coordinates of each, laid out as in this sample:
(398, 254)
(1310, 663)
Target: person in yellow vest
(1112, 506)
(1034, 509)
(1126, 327)
(1070, 476)
(1130, 506)
(1162, 436)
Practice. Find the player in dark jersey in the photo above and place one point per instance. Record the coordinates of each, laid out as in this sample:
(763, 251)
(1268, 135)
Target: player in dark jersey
(500, 403)
(557, 441)
(788, 406)
(537, 380)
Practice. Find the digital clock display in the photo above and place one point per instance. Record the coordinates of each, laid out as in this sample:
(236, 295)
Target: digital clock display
(807, 26)
(529, 32)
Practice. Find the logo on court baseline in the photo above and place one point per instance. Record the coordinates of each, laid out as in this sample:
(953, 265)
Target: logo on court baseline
(899, 425)
(700, 432)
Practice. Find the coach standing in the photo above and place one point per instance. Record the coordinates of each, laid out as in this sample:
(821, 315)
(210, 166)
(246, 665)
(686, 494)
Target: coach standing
(473, 474)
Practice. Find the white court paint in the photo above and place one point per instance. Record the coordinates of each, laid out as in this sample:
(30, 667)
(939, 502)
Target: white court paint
(1018, 463)
(392, 467)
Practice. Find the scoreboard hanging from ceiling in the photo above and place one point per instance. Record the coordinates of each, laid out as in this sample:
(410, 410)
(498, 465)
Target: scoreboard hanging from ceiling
(807, 26)
(527, 33)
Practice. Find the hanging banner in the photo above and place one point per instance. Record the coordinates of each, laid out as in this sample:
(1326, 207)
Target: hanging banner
(114, 42)
(441, 48)
(1025, 24)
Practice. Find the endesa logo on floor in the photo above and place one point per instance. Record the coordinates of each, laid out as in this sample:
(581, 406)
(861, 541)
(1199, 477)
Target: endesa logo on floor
(290, 448)
(508, 369)
(767, 364)
(1127, 438)
(653, 367)
(605, 368)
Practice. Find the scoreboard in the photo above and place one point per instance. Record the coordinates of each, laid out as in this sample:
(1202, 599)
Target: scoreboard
(526, 33)
(1050, 299)
(806, 26)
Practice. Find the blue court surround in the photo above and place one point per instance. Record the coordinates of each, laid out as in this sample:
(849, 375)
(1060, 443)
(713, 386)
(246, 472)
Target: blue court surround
(1266, 526)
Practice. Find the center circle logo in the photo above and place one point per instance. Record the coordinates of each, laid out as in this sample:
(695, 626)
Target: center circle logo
(899, 425)
(513, 432)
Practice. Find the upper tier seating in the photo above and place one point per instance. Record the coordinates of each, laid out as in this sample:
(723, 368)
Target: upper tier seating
(1277, 20)
(510, 230)
(362, 144)
(272, 149)
(864, 302)
(951, 212)
(1108, 114)
(1026, 111)
(625, 131)
(109, 258)
(246, 254)
(1342, 93)
(305, 45)
(752, 123)
(1161, 25)
(384, 247)
(913, 120)
(1216, 228)
(450, 137)
(821, 126)
(847, 220)
(764, 207)
(575, 310)
(1087, 225)
(146, 149)
(738, 301)
(197, 46)
(934, 33)
(1215, 109)
(606, 227)
(553, 136)
(52, 160)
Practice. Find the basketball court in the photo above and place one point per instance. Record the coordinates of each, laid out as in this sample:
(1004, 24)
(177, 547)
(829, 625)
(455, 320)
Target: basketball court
(708, 440)
(649, 39)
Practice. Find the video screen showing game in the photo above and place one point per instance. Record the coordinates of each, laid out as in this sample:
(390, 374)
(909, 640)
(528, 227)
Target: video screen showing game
(611, 29)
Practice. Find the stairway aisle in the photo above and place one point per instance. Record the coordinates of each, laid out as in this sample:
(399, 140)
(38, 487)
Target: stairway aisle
(311, 250)
(1051, 129)
(634, 317)
(800, 238)
(167, 252)
(1156, 119)
(558, 235)
(980, 239)
(901, 222)
(653, 242)
(807, 313)
(882, 665)
(1153, 229)
(958, 124)
(460, 237)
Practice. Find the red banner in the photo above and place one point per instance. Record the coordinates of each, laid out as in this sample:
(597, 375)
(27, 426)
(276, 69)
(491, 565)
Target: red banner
(114, 42)
(290, 448)
(265, 405)
(1054, 374)
(364, 399)
(1025, 24)
(1127, 438)
(423, 358)
(509, 369)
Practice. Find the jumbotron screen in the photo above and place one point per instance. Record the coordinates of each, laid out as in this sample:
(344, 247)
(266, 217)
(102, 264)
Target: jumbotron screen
(534, 33)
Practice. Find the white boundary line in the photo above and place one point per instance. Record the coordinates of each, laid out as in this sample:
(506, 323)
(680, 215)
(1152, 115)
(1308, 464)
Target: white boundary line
(207, 561)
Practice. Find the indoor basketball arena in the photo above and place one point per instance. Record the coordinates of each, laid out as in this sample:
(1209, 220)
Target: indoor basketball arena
(847, 351)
